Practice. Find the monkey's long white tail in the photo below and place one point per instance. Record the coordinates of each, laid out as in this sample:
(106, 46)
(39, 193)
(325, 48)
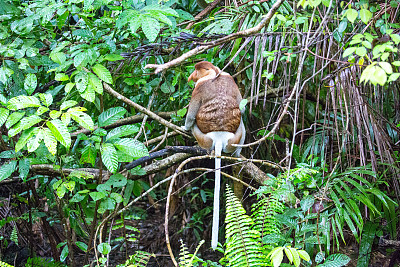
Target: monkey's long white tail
(215, 225)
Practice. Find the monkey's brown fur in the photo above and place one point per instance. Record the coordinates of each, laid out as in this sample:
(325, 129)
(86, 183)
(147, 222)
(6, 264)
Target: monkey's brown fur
(218, 100)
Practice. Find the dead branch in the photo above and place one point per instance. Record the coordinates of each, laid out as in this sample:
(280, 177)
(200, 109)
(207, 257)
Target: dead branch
(161, 67)
(151, 114)
(125, 121)
(50, 170)
(204, 13)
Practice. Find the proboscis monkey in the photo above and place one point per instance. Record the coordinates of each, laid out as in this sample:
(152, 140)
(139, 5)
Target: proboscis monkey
(215, 120)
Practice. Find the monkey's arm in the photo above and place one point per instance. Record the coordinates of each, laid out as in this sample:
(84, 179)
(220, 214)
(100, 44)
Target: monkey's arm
(194, 106)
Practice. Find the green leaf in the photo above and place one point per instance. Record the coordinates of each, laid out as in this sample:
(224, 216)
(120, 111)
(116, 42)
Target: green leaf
(97, 195)
(117, 197)
(314, 3)
(104, 248)
(47, 99)
(61, 77)
(151, 28)
(89, 93)
(111, 115)
(95, 83)
(82, 118)
(393, 77)
(60, 131)
(23, 101)
(58, 57)
(162, 9)
(5, 73)
(54, 114)
(33, 143)
(68, 87)
(15, 130)
(23, 166)
(361, 51)
(365, 15)
(103, 73)
(3, 115)
(349, 51)
(135, 23)
(50, 141)
(132, 147)
(351, 15)
(379, 76)
(14, 118)
(304, 255)
(107, 204)
(81, 81)
(28, 122)
(117, 180)
(88, 155)
(366, 44)
(67, 104)
(30, 83)
(26, 135)
(386, 67)
(121, 131)
(81, 59)
(7, 169)
(109, 157)
(113, 57)
(64, 253)
(81, 245)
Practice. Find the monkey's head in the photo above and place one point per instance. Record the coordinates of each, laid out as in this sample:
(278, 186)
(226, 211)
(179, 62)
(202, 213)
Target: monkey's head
(203, 69)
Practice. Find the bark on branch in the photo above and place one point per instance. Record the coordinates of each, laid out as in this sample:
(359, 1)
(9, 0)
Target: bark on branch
(200, 49)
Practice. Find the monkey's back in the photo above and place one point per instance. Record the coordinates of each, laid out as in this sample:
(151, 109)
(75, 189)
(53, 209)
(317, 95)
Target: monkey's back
(219, 108)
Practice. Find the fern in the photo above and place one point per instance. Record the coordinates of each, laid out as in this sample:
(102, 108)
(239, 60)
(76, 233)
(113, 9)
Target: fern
(139, 259)
(243, 244)
(41, 262)
(186, 259)
(3, 264)
(264, 214)
(14, 235)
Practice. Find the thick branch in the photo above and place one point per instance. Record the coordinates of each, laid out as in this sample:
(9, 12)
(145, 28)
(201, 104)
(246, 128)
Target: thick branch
(160, 67)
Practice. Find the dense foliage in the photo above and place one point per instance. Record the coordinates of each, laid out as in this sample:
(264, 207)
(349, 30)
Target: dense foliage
(89, 86)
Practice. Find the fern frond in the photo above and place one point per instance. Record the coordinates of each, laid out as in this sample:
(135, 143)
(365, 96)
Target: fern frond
(14, 235)
(243, 244)
(139, 259)
(264, 214)
(186, 259)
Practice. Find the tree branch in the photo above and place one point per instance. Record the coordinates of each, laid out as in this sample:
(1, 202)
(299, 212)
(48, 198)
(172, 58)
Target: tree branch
(161, 67)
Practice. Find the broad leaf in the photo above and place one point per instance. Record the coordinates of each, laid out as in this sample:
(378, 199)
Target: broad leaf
(50, 141)
(103, 73)
(111, 115)
(7, 169)
(88, 155)
(14, 118)
(23, 101)
(82, 118)
(60, 131)
(30, 83)
(151, 27)
(122, 131)
(3, 115)
(132, 147)
(26, 135)
(109, 157)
